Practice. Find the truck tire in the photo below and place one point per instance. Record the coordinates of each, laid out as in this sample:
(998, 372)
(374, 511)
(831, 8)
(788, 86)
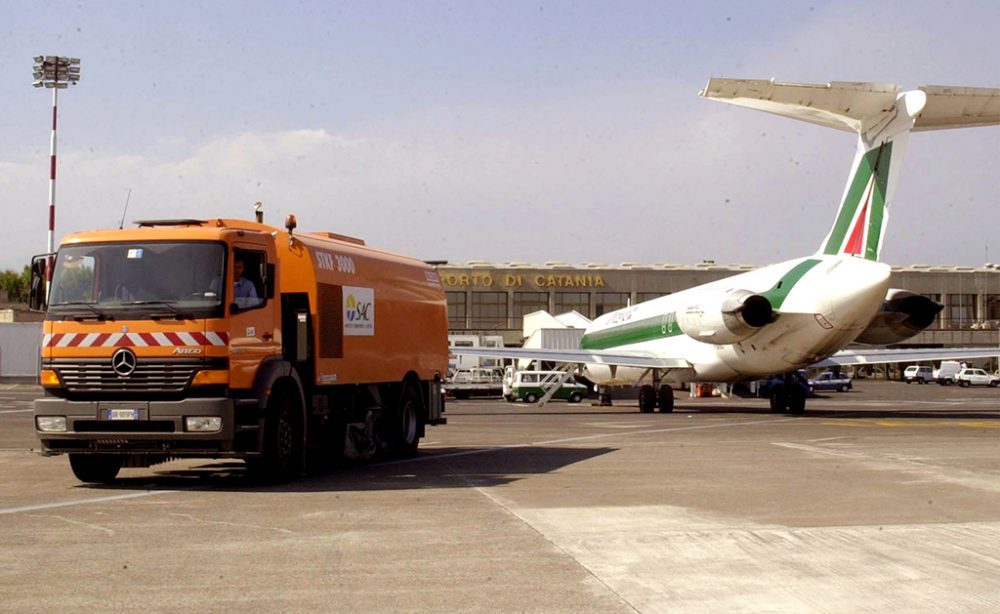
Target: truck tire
(406, 423)
(281, 456)
(530, 398)
(844, 388)
(964, 383)
(95, 468)
(576, 397)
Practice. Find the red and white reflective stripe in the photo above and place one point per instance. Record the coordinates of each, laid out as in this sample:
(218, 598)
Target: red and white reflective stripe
(109, 340)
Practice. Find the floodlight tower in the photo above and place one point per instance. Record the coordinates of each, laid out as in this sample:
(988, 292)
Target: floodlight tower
(56, 73)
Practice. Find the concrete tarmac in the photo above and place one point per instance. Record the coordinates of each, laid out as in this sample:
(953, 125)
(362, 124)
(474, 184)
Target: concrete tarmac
(886, 498)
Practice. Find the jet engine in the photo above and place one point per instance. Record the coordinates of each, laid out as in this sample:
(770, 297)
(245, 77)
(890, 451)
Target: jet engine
(903, 314)
(725, 316)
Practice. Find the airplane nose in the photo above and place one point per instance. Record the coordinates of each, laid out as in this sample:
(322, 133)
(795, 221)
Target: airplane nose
(854, 292)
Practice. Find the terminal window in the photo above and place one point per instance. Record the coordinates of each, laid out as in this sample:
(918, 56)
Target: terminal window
(489, 310)
(993, 310)
(456, 309)
(530, 302)
(609, 301)
(961, 310)
(573, 301)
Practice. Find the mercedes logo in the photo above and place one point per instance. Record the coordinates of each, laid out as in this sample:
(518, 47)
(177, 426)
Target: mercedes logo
(123, 362)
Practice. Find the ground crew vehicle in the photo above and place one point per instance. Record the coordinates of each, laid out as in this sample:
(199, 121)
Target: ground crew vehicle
(945, 374)
(976, 377)
(530, 386)
(476, 381)
(917, 373)
(830, 381)
(153, 348)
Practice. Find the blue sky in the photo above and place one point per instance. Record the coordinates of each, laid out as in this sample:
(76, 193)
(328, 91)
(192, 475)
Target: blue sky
(497, 131)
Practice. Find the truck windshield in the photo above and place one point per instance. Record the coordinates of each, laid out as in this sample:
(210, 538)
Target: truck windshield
(138, 280)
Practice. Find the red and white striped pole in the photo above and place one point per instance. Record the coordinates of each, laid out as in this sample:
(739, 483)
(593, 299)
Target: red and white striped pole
(52, 174)
(55, 72)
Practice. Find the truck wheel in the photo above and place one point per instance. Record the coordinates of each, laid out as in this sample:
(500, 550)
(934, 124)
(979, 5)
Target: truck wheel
(530, 397)
(406, 430)
(281, 457)
(95, 468)
(576, 397)
(844, 388)
(965, 383)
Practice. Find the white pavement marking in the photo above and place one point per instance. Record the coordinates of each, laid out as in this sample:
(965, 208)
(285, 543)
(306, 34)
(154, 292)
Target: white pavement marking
(15, 411)
(49, 506)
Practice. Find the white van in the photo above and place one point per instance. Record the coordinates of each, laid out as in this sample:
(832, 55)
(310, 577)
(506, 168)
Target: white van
(945, 374)
(530, 386)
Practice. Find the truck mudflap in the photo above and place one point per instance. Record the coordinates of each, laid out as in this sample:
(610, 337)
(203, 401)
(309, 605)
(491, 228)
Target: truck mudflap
(174, 428)
(436, 403)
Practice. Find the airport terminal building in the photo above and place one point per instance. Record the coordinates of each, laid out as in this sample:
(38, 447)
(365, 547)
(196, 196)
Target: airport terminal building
(491, 299)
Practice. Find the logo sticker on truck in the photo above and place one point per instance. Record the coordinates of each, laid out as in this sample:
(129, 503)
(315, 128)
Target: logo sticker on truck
(359, 312)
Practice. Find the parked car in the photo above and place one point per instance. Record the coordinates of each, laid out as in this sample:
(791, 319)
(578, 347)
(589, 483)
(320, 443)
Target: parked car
(976, 377)
(945, 374)
(830, 381)
(915, 373)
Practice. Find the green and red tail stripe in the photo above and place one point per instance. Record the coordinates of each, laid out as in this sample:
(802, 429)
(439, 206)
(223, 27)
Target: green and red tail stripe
(862, 216)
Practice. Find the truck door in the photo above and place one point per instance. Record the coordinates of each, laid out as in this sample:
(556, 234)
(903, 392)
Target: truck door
(254, 319)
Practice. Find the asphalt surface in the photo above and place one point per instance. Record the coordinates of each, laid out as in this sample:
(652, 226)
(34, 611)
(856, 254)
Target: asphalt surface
(886, 498)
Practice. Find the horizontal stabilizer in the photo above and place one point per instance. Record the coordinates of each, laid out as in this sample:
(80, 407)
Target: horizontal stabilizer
(882, 115)
(859, 107)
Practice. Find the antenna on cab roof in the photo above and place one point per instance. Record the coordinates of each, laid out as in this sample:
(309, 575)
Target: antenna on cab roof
(121, 224)
(258, 211)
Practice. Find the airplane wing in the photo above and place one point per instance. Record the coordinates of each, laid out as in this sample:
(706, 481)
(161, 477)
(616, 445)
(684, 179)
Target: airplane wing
(644, 360)
(848, 358)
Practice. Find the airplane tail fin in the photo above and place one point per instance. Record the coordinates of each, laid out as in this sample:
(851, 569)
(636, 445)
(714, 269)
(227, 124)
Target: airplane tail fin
(882, 116)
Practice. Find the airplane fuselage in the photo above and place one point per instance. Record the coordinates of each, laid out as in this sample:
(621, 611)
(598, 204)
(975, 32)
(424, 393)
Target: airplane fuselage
(821, 303)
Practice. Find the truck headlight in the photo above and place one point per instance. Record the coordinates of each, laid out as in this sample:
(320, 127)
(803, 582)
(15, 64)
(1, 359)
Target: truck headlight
(51, 424)
(202, 424)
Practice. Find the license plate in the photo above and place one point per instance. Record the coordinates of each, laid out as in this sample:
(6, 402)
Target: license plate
(121, 414)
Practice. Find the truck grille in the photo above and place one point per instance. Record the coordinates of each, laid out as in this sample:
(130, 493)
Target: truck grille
(149, 376)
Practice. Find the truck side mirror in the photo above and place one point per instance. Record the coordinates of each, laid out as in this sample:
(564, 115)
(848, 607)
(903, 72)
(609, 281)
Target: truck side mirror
(38, 290)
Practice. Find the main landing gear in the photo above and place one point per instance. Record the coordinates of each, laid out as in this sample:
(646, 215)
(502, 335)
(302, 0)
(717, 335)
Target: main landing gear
(788, 394)
(657, 395)
(651, 398)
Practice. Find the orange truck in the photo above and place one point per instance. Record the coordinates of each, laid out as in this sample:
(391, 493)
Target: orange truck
(233, 339)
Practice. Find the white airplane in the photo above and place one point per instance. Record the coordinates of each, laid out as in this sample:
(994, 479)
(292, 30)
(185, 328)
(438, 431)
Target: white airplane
(802, 312)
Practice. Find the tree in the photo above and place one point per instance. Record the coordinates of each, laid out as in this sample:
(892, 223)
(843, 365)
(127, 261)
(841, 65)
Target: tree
(15, 285)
